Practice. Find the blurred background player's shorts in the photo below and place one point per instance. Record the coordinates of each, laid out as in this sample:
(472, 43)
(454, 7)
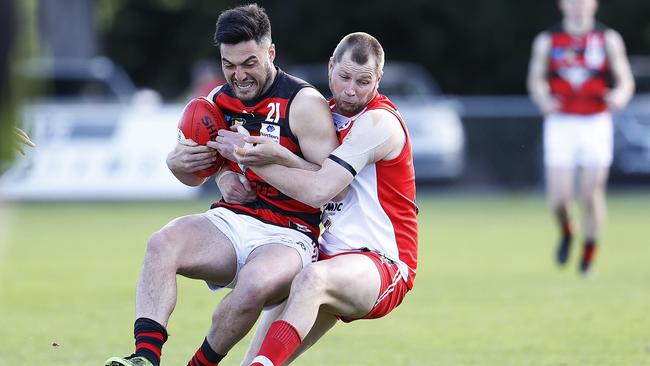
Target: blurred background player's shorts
(575, 140)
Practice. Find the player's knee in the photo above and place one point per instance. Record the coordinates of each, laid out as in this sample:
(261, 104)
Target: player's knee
(163, 244)
(591, 202)
(560, 206)
(250, 297)
(312, 279)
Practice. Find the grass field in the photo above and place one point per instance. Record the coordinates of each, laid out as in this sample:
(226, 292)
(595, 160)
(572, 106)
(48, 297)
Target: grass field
(487, 292)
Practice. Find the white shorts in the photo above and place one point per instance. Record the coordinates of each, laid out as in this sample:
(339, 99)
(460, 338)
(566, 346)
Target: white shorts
(247, 234)
(572, 140)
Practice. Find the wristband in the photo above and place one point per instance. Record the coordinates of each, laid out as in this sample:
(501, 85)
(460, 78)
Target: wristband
(223, 175)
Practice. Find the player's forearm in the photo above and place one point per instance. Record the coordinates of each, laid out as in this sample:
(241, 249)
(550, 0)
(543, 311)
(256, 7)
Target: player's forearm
(539, 92)
(302, 185)
(536, 82)
(294, 161)
(624, 88)
(181, 172)
(189, 179)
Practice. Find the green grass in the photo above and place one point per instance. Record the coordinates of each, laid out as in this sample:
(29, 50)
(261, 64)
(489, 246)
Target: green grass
(487, 291)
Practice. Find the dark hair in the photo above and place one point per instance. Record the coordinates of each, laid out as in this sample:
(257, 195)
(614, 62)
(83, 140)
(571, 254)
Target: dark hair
(362, 46)
(242, 24)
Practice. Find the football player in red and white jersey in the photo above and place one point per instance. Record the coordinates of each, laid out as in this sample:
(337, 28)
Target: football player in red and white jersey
(569, 80)
(366, 188)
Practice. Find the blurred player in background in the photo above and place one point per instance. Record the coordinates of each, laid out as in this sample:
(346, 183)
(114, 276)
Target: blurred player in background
(367, 190)
(256, 247)
(569, 78)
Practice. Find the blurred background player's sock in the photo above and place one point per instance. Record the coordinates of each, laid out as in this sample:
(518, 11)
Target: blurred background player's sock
(149, 339)
(564, 246)
(281, 340)
(588, 254)
(205, 356)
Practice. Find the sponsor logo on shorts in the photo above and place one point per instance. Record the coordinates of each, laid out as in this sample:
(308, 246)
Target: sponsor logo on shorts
(294, 243)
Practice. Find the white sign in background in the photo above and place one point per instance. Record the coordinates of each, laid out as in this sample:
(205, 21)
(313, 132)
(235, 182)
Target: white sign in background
(97, 152)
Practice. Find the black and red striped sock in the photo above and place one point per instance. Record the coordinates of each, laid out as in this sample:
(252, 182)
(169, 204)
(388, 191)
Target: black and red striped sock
(205, 356)
(149, 339)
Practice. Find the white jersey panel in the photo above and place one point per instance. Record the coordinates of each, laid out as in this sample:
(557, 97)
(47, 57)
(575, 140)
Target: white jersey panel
(359, 221)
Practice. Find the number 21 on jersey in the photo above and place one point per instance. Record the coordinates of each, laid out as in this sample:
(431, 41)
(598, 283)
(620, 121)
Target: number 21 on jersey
(274, 112)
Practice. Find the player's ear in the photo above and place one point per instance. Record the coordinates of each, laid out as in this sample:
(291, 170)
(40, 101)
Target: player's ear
(272, 52)
(330, 66)
(380, 73)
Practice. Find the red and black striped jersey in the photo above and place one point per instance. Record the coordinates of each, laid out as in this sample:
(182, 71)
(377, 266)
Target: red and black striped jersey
(579, 74)
(268, 115)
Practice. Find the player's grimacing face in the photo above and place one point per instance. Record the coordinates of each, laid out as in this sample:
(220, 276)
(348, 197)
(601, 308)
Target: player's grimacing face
(248, 67)
(353, 85)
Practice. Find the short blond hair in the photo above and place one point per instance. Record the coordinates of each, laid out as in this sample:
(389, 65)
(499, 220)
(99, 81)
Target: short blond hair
(361, 45)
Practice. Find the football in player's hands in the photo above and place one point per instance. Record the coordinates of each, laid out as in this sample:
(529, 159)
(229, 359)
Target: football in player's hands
(200, 122)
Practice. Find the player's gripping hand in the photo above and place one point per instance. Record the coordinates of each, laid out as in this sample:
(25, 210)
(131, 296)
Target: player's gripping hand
(226, 141)
(189, 157)
(235, 188)
(260, 150)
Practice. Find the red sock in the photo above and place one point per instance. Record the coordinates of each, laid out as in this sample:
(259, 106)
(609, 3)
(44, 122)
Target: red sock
(280, 342)
(589, 250)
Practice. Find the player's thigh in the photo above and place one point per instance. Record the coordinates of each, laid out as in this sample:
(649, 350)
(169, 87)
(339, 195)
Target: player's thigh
(324, 322)
(202, 251)
(560, 143)
(559, 183)
(593, 180)
(269, 270)
(597, 141)
(352, 283)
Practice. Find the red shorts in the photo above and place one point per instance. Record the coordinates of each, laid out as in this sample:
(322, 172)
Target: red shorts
(393, 288)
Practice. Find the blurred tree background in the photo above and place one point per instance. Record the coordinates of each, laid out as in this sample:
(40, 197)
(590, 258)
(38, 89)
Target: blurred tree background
(470, 46)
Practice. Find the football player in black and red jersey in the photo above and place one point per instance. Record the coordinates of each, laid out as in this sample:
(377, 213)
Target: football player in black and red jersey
(257, 246)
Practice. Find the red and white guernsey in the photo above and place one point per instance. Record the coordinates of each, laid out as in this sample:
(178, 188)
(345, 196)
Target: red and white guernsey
(579, 74)
(379, 212)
